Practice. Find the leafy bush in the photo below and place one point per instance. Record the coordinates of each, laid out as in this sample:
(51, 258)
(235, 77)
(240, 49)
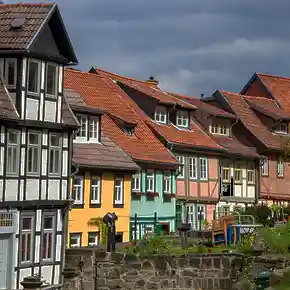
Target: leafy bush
(261, 213)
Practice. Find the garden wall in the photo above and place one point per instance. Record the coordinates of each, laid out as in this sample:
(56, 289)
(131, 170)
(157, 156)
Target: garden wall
(106, 271)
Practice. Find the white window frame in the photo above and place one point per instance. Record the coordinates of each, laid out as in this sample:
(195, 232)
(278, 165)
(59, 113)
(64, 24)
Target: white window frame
(95, 195)
(136, 182)
(193, 164)
(280, 167)
(181, 161)
(2, 67)
(53, 149)
(119, 190)
(83, 120)
(38, 76)
(78, 189)
(94, 128)
(161, 115)
(150, 181)
(25, 233)
(238, 168)
(46, 233)
(265, 167)
(182, 119)
(226, 168)
(13, 158)
(282, 128)
(37, 157)
(56, 79)
(203, 168)
(250, 171)
(14, 60)
(96, 236)
(79, 238)
(167, 182)
(219, 129)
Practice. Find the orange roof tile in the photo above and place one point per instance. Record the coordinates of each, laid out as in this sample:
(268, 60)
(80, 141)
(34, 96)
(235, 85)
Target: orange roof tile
(195, 137)
(103, 93)
(251, 121)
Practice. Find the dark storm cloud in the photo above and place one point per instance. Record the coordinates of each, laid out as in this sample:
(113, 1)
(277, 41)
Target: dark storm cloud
(191, 46)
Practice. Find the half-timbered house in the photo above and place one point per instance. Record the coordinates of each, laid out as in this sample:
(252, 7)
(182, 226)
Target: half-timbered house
(35, 142)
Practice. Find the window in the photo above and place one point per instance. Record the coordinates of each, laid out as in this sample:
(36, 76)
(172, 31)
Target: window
(129, 131)
(136, 182)
(182, 119)
(94, 128)
(93, 238)
(77, 192)
(280, 167)
(167, 182)
(47, 237)
(265, 166)
(226, 172)
(95, 189)
(83, 120)
(181, 160)
(282, 128)
(238, 173)
(251, 173)
(54, 154)
(118, 193)
(160, 115)
(192, 167)
(51, 79)
(150, 181)
(10, 72)
(203, 163)
(75, 240)
(223, 211)
(33, 76)
(219, 129)
(27, 225)
(33, 155)
(13, 149)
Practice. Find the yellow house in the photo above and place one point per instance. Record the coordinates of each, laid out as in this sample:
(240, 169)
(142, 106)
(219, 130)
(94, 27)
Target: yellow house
(101, 181)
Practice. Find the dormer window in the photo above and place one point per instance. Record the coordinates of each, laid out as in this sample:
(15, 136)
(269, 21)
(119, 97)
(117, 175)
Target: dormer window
(160, 115)
(129, 131)
(89, 128)
(182, 119)
(282, 128)
(220, 129)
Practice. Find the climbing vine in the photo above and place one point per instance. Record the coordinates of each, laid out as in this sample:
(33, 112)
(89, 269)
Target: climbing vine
(103, 228)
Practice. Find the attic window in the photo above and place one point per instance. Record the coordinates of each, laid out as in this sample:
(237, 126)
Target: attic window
(219, 129)
(129, 131)
(282, 128)
(182, 119)
(160, 115)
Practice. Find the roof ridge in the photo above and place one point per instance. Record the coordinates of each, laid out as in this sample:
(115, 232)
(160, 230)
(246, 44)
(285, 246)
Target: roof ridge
(25, 4)
(79, 71)
(125, 77)
(273, 76)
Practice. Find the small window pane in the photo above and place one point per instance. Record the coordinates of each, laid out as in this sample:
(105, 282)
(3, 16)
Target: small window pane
(11, 72)
(33, 77)
(27, 223)
(51, 79)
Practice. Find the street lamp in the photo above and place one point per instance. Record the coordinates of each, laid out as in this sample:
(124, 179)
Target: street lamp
(109, 219)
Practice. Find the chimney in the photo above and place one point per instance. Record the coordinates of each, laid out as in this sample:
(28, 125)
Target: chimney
(152, 81)
(201, 96)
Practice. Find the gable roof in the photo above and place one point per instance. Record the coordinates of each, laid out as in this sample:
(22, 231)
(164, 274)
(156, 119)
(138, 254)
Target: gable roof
(194, 138)
(36, 16)
(267, 107)
(242, 109)
(101, 92)
(210, 109)
(148, 88)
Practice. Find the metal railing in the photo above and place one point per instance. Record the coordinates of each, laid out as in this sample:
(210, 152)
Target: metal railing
(6, 219)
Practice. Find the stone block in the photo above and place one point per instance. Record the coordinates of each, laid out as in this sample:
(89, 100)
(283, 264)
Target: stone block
(140, 283)
(164, 284)
(194, 262)
(189, 273)
(151, 285)
(129, 258)
(186, 282)
(206, 262)
(117, 257)
(147, 265)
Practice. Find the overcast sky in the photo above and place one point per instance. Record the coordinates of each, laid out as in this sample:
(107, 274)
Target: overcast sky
(190, 46)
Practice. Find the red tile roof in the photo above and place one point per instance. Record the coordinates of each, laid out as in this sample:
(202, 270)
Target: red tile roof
(103, 93)
(148, 88)
(266, 106)
(195, 137)
(251, 121)
(212, 110)
(279, 87)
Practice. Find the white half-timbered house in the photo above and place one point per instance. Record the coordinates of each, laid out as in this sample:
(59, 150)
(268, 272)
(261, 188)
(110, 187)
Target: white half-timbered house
(35, 142)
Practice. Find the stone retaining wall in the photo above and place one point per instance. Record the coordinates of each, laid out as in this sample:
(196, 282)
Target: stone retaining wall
(106, 271)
